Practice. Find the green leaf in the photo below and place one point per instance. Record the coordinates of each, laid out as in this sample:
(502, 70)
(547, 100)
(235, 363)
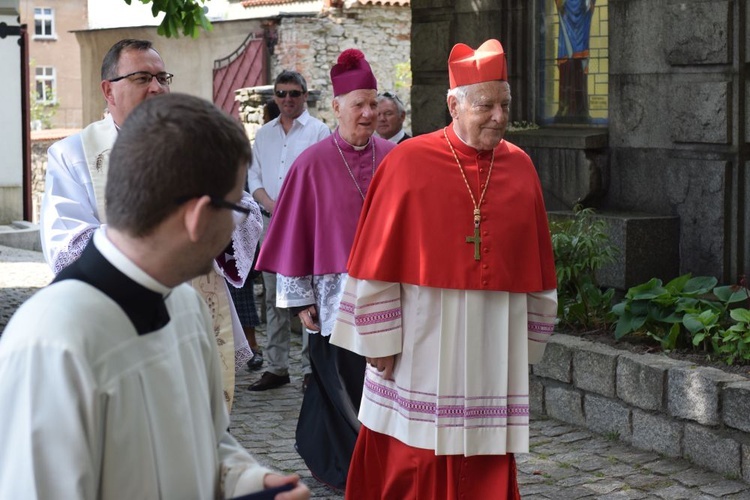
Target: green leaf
(648, 290)
(693, 324)
(670, 341)
(731, 293)
(676, 285)
(700, 285)
(741, 315)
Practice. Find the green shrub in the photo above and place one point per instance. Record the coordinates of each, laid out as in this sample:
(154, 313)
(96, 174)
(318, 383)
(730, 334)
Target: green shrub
(582, 247)
(688, 312)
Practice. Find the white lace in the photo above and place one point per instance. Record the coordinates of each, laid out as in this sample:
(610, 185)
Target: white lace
(74, 250)
(322, 290)
(245, 238)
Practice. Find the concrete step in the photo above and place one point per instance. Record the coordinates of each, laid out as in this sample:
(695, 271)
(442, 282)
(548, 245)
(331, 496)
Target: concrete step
(21, 234)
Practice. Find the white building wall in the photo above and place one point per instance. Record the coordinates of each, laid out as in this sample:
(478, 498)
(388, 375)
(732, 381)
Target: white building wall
(11, 124)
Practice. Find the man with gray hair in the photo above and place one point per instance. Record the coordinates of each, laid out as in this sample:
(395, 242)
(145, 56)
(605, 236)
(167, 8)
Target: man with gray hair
(450, 296)
(391, 116)
(277, 144)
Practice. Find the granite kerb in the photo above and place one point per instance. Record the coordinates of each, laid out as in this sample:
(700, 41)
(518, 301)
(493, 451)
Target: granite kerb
(652, 402)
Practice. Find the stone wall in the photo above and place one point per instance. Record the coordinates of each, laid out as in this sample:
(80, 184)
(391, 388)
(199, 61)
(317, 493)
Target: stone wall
(677, 125)
(651, 402)
(311, 45)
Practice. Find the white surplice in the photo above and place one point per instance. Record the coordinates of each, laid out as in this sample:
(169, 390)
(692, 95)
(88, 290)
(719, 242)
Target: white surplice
(89, 409)
(461, 373)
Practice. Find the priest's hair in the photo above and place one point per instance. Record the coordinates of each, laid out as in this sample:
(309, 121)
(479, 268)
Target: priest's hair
(171, 148)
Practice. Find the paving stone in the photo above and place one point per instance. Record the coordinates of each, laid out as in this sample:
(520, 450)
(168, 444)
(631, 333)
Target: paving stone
(697, 477)
(676, 492)
(723, 488)
(667, 467)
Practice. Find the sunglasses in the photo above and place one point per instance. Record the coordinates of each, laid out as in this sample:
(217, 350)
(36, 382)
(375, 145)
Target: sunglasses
(292, 93)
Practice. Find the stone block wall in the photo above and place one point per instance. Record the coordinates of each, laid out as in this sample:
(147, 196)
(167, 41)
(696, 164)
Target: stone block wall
(651, 402)
(678, 124)
(311, 45)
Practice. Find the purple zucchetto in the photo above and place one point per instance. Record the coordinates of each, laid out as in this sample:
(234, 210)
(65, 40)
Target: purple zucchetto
(352, 72)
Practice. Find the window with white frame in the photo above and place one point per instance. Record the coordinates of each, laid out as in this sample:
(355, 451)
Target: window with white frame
(44, 22)
(45, 84)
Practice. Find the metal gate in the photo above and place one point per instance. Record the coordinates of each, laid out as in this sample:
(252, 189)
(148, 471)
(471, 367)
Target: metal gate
(245, 67)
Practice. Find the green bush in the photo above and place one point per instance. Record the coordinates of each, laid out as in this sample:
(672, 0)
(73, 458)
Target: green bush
(582, 247)
(688, 312)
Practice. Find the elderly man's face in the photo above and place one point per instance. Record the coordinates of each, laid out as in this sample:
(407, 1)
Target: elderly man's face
(124, 95)
(390, 120)
(356, 113)
(480, 119)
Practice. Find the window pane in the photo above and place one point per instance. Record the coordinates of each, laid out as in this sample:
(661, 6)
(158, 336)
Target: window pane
(574, 62)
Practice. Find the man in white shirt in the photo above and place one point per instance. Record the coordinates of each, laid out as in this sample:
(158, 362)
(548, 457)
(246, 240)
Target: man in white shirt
(110, 379)
(277, 144)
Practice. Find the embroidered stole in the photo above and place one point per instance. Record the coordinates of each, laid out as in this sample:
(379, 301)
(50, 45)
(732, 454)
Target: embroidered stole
(98, 139)
(213, 289)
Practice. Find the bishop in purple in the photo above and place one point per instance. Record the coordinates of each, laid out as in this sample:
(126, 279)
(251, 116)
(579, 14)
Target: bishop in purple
(307, 245)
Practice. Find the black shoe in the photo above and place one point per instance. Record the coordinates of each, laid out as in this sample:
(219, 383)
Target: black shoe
(306, 381)
(269, 381)
(256, 362)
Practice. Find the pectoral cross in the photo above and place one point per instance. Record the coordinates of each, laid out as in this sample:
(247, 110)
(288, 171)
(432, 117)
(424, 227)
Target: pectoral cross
(476, 239)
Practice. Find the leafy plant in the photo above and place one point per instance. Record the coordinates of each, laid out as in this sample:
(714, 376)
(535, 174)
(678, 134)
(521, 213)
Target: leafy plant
(688, 311)
(186, 16)
(42, 113)
(582, 247)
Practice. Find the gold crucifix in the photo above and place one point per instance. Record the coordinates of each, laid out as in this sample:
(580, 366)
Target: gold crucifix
(476, 239)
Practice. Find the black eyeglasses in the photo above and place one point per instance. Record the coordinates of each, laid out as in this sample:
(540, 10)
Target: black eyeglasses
(292, 93)
(144, 78)
(239, 213)
(390, 95)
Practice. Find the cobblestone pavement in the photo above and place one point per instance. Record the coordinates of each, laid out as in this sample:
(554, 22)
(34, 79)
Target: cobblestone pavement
(565, 462)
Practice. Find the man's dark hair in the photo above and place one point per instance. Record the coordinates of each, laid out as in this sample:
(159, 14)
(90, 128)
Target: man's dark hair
(112, 59)
(172, 147)
(287, 76)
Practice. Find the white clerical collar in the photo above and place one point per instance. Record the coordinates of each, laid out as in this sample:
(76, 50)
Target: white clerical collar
(125, 265)
(400, 135)
(355, 148)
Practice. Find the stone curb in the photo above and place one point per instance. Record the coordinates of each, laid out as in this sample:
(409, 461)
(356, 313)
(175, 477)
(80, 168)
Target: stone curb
(651, 402)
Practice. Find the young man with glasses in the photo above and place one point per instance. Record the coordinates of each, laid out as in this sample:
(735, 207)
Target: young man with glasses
(110, 382)
(277, 144)
(73, 203)
(391, 116)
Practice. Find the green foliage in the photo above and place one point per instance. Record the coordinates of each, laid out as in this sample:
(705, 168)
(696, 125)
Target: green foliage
(42, 113)
(186, 16)
(403, 76)
(581, 247)
(688, 312)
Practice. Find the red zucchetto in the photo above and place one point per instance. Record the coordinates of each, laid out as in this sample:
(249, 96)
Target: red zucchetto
(352, 72)
(467, 66)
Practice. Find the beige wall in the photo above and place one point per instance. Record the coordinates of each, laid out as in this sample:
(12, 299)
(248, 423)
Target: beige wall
(61, 52)
(191, 60)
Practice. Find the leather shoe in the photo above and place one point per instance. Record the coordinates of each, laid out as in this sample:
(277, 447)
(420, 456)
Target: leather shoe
(256, 362)
(269, 381)
(306, 381)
